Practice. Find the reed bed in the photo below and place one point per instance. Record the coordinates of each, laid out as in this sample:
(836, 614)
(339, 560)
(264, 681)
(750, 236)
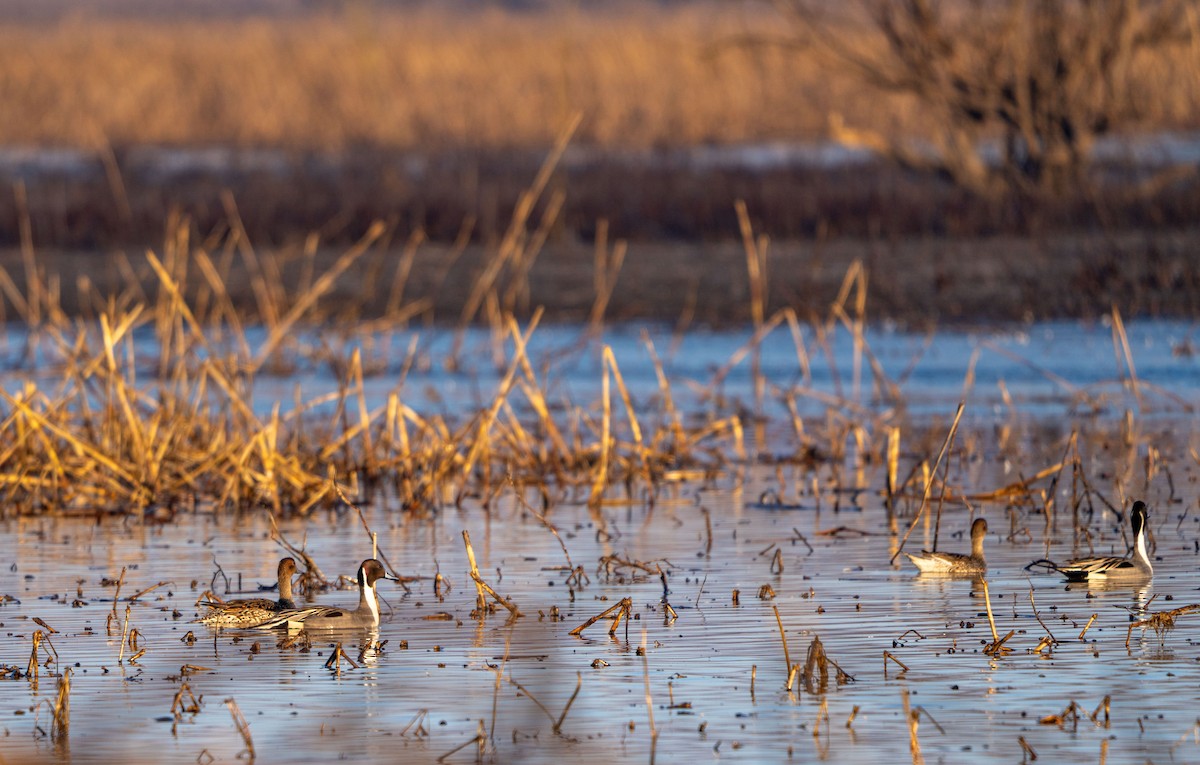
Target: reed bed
(151, 412)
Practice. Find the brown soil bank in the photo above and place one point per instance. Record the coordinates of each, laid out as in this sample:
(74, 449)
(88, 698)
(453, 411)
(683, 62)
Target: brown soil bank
(915, 281)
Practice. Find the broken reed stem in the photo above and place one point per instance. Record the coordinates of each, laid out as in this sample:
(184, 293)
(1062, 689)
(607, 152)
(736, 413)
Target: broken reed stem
(996, 647)
(334, 662)
(62, 707)
(242, 726)
(912, 718)
(1161, 622)
(787, 659)
(1037, 616)
(889, 655)
(124, 635)
(481, 586)
(117, 592)
(624, 609)
(1122, 340)
(149, 589)
(1087, 626)
(987, 601)
(578, 685)
(496, 687)
(480, 740)
(929, 480)
(649, 698)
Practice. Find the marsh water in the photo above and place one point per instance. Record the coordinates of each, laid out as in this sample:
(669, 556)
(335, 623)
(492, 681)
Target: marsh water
(710, 682)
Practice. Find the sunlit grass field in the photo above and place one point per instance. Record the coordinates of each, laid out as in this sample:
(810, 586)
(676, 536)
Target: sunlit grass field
(431, 76)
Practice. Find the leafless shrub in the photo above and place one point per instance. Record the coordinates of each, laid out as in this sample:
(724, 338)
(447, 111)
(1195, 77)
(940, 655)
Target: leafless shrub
(1021, 88)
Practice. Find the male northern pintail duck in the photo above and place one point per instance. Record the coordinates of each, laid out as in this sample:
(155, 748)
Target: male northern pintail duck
(1134, 566)
(956, 563)
(331, 617)
(251, 612)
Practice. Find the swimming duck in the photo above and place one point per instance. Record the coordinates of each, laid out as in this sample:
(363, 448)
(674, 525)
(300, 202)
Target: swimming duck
(956, 563)
(332, 617)
(1135, 566)
(250, 612)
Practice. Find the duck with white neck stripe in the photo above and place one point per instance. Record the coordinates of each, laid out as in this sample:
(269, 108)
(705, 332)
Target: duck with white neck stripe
(1136, 566)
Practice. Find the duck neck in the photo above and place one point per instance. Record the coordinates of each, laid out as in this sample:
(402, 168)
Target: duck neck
(1139, 546)
(977, 547)
(368, 602)
(285, 592)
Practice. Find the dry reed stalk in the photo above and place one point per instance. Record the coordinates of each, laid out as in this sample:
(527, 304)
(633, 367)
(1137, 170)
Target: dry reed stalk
(61, 723)
(929, 482)
(556, 721)
(509, 247)
(482, 587)
(605, 271)
(855, 279)
(243, 727)
(567, 708)
(124, 635)
(912, 718)
(1121, 349)
(280, 327)
(420, 731)
(1038, 616)
(489, 416)
(649, 698)
(1161, 622)
(787, 659)
(617, 612)
(480, 740)
(334, 662)
(756, 267)
(1087, 626)
(997, 647)
(600, 478)
(889, 655)
(181, 706)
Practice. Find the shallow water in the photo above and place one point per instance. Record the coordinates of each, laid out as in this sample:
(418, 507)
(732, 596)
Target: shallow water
(843, 591)
(699, 667)
(1051, 368)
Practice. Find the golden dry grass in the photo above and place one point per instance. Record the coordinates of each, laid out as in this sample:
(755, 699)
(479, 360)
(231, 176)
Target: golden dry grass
(641, 76)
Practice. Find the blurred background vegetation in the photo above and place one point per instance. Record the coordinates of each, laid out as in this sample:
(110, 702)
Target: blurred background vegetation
(875, 120)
